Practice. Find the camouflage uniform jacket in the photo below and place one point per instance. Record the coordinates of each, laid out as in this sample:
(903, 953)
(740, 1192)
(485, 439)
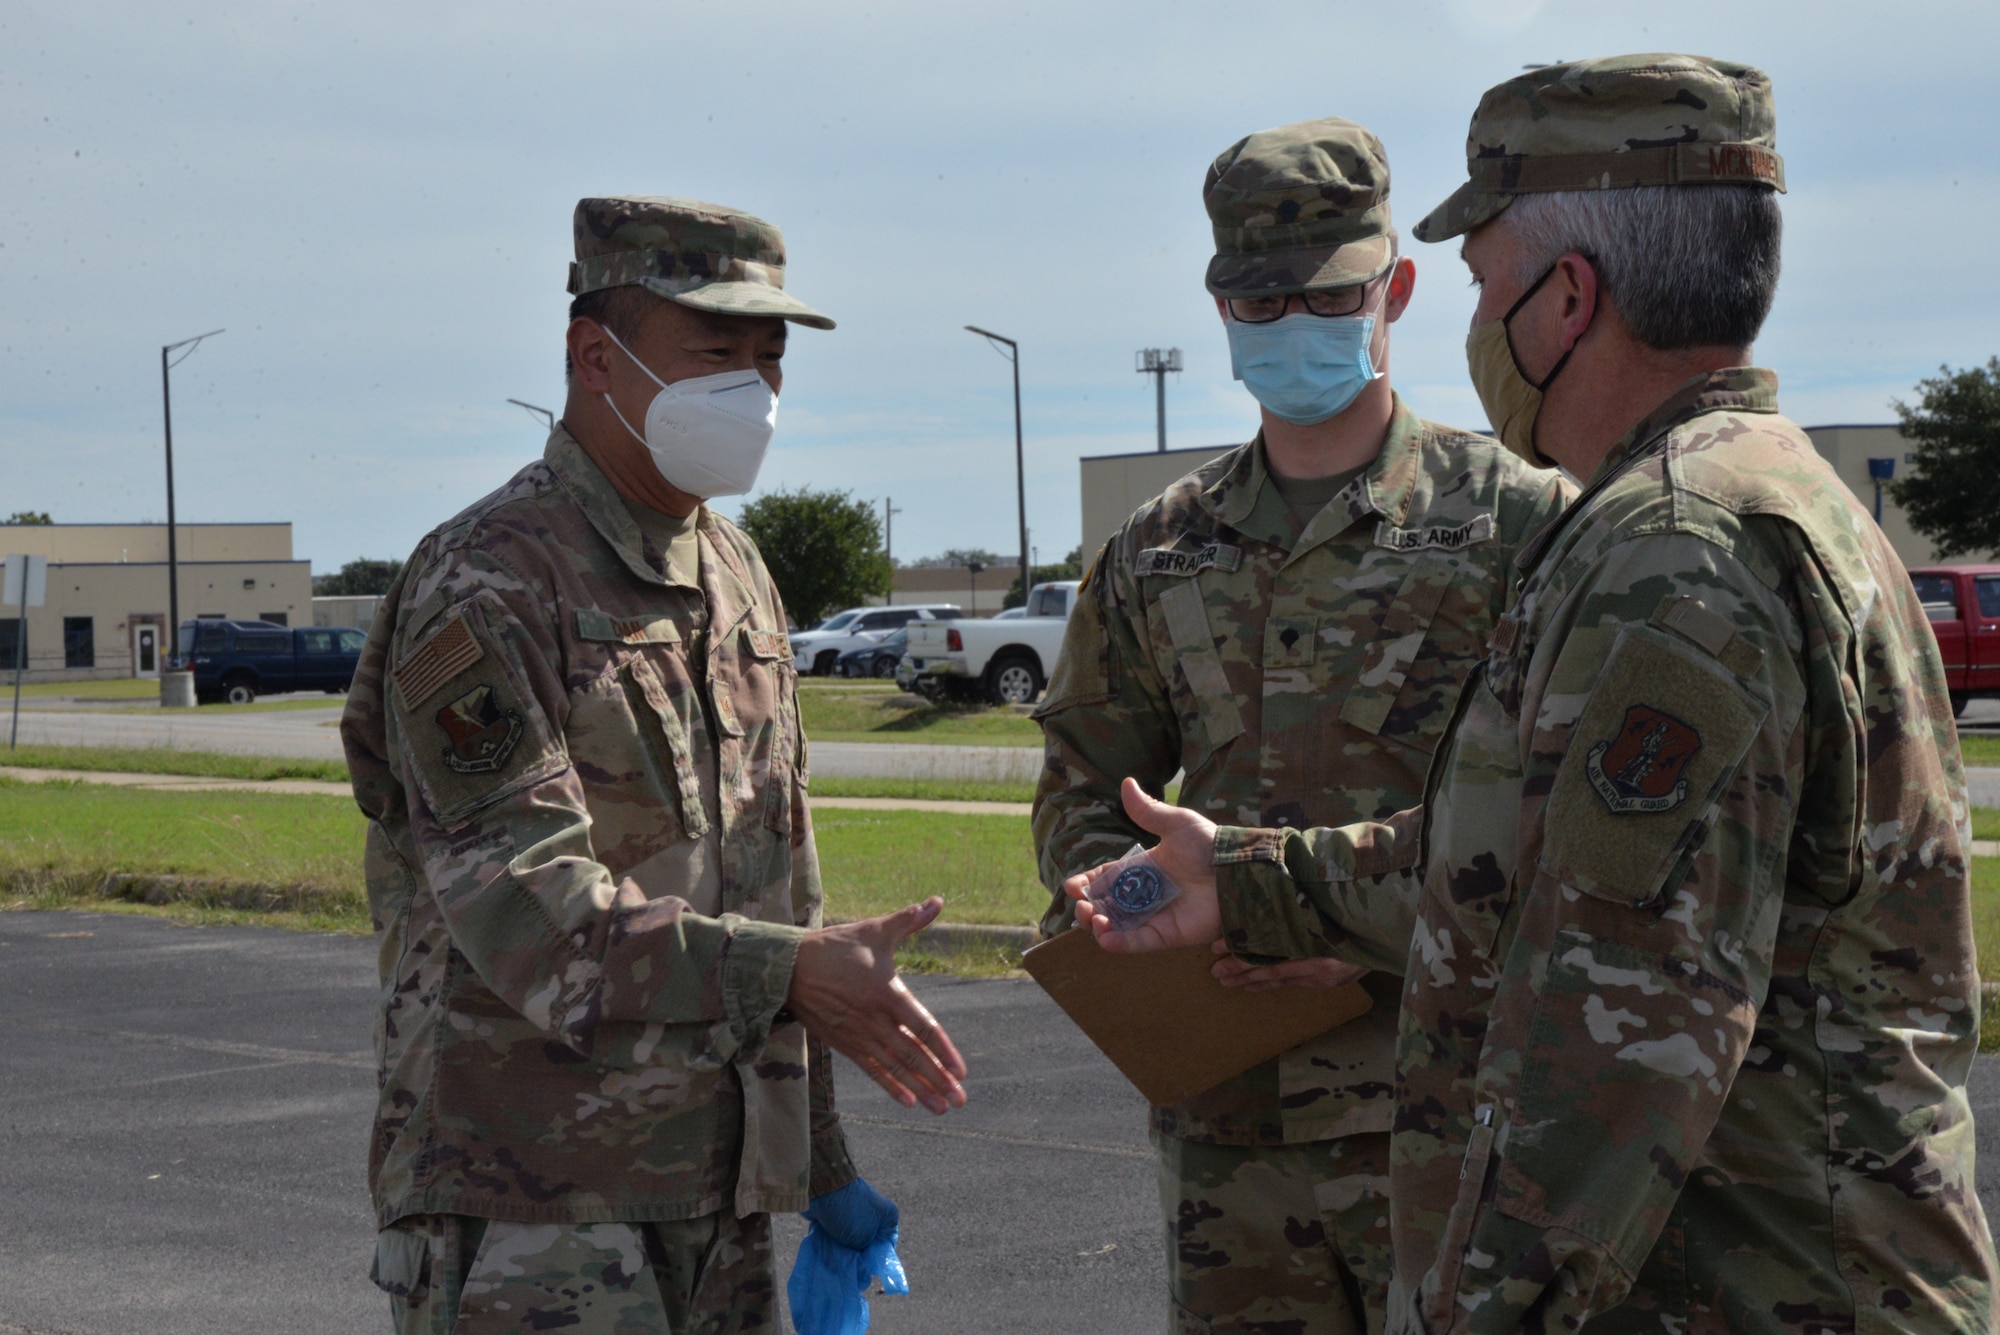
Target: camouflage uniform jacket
(571, 1030)
(1298, 678)
(1690, 999)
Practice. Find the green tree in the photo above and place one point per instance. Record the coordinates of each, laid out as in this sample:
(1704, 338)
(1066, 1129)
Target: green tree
(28, 517)
(824, 549)
(1952, 494)
(1070, 567)
(359, 576)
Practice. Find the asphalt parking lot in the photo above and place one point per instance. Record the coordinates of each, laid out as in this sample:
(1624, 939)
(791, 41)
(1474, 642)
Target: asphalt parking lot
(183, 1120)
(183, 1114)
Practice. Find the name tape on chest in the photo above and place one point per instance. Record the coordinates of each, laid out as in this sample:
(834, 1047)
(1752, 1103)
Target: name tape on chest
(436, 661)
(1172, 561)
(591, 624)
(773, 644)
(1435, 537)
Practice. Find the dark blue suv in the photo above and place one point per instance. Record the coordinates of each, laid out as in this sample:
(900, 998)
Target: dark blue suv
(237, 661)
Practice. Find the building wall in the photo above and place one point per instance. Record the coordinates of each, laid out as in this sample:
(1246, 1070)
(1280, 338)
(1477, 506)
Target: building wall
(117, 595)
(140, 543)
(1114, 485)
(356, 610)
(980, 597)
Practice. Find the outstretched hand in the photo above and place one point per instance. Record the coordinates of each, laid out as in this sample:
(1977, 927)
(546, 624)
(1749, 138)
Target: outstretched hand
(1186, 853)
(846, 993)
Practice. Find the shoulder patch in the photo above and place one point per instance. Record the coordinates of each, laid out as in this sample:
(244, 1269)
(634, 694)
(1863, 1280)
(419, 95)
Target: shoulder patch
(482, 734)
(1640, 769)
(768, 643)
(592, 624)
(449, 651)
(1435, 537)
(1172, 561)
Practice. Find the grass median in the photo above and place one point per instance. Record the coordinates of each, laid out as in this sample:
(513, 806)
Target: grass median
(296, 860)
(844, 713)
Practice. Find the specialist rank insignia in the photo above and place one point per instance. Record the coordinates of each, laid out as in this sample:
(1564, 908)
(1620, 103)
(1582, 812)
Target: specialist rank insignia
(482, 734)
(1640, 770)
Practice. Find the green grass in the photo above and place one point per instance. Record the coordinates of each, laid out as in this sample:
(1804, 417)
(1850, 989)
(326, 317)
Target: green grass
(60, 841)
(884, 714)
(166, 760)
(1979, 750)
(116, 688)
(926, 790)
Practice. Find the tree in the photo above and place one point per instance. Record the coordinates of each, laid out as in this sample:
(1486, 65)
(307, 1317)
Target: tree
(28, 517)
(1952, 494)
(823, 548)
(969, 557)
(1070, 567)
(358, 577)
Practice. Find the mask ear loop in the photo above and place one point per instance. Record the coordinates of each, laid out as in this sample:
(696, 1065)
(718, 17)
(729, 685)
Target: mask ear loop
(611, 403)
(1507, 336)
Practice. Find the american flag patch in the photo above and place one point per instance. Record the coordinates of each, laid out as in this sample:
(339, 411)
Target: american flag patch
(440, 658)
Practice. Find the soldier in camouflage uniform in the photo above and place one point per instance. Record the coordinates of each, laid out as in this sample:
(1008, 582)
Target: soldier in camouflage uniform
(1295, 645)
(1691, 998)
(606, 997)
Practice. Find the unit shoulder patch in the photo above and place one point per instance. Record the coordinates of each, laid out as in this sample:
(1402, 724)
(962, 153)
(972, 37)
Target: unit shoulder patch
(1435, 537)
(482, 734)
(1641, 768)
(592, 624)
(1173, 561)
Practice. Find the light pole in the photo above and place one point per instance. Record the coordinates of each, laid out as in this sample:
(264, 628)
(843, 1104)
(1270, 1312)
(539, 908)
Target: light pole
(889, 512)
(1155, 363)
(539, 413)
(167, 363)
(1013, 354)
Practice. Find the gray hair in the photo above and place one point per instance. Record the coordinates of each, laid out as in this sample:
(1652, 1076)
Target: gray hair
(1685, 266)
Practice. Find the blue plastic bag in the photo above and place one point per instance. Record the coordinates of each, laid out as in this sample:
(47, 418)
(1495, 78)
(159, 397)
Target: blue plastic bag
(851, 1243)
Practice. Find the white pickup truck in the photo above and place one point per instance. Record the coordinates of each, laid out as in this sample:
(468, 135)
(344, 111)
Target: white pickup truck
(1005, 660)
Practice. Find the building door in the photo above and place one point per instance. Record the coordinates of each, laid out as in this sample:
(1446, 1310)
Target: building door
(145, 650)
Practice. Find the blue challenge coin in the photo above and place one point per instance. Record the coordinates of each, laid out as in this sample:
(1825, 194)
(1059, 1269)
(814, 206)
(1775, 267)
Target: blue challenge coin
(1138, 889)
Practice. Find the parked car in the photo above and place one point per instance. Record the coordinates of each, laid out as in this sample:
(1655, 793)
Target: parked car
(237, 661)
(873, 660)
(817, 650)
(1963, 604)
(1004, 660)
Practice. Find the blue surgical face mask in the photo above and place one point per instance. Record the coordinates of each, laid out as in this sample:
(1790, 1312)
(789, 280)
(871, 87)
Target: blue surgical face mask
(1304, 368)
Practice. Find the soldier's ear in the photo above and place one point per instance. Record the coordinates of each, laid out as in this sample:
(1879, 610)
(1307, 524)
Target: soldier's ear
(590, 353)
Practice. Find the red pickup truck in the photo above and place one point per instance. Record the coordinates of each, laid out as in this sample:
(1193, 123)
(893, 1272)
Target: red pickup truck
(1963, 603)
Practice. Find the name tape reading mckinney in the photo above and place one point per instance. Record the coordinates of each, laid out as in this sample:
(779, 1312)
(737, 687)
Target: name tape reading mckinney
(1473, 531)
(1168, 561)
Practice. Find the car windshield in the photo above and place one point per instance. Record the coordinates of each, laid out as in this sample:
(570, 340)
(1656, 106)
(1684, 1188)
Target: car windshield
(840, 622)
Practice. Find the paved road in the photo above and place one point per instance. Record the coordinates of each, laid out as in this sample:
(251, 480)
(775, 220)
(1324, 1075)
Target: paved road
(183, 1114)
(313, 734)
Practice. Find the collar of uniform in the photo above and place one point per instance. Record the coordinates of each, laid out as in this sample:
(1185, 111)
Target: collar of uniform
(1385, 488)
(600, 502)
(1740, 389)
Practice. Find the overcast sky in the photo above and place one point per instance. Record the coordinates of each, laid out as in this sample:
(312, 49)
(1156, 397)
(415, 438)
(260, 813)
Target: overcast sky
(374, 200)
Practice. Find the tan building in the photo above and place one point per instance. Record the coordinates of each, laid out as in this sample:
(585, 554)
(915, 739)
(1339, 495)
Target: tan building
(106, 614)
(1114, 485)
(976, 595)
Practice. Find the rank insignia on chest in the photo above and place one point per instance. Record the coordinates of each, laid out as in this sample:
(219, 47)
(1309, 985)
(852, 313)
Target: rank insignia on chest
(482, 734)
(1173, 561)
(1640, 769)
(1435, 537)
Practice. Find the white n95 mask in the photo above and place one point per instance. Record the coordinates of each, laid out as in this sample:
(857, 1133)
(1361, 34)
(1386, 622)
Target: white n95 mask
(707, 435)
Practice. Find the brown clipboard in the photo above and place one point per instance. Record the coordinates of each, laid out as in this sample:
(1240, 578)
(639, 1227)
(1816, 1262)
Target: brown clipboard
(1168, 1025)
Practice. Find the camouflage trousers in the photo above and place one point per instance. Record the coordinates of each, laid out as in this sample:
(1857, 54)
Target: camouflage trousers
(452, 1275)
(1277, 1239)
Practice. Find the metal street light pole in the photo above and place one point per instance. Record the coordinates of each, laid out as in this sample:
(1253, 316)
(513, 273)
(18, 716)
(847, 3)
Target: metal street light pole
(535, 410)
(173, 549)
(1013, 355)
(1156, 364)
(889, 512)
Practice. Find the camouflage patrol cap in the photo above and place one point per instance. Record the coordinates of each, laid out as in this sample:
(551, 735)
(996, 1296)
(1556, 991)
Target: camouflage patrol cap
(701, 255)
(1605, 124)
(1299, 207)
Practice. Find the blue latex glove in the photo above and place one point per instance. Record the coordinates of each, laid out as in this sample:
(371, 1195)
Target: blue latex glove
(852, 1242)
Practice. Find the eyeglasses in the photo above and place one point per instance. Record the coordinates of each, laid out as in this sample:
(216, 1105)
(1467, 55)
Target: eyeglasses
(1325, 303)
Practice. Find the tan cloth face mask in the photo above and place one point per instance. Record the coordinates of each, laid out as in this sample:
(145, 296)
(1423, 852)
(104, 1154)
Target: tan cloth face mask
(1512, 401)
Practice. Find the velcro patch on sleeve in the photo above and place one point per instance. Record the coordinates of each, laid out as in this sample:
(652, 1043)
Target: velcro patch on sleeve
(1173, 561)
(592, 624)
(768, 644)
(1659, 740)
(1435, 537)
(449, 650)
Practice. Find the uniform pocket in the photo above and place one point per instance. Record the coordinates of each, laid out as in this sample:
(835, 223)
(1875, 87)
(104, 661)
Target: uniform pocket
(1411, 674)
(1212, 699)
(1471, 825)
(1475, 1175)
